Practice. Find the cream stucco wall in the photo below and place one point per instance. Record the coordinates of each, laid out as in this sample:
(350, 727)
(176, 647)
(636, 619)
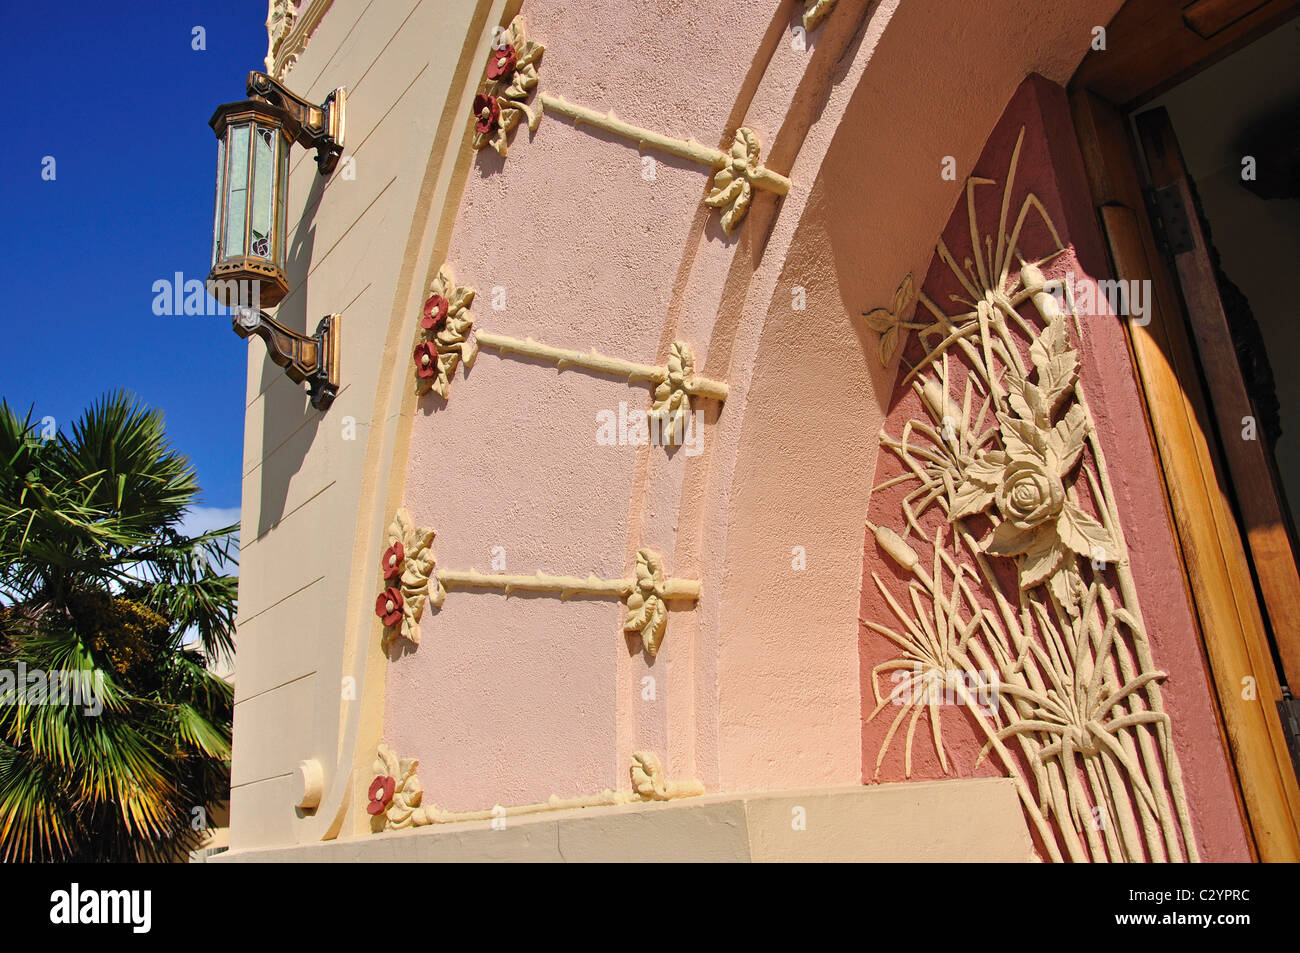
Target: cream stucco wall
(311, 487)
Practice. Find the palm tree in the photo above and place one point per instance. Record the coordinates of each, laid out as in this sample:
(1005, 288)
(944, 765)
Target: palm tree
(100, 590)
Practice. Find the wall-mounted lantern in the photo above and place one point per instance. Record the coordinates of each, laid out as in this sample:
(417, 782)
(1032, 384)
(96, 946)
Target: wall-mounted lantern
(250, 223)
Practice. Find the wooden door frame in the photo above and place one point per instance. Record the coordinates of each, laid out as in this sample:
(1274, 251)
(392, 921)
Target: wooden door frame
(1156, 54)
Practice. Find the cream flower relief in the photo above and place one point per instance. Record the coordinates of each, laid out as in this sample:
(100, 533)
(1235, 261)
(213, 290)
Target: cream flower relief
(1041, 524)
(889, 323)
(733, 188)
(1039, 521)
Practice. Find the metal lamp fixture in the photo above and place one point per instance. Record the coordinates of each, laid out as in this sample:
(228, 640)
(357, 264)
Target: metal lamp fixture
(250, 224)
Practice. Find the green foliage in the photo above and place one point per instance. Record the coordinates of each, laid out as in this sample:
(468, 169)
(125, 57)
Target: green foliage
(98, 585)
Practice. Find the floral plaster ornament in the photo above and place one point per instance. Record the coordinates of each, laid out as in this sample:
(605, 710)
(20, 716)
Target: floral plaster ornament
(435, 313)
(487, 114)
(676, 383)
(647, 612)
(395, 793)
(889, 323)
(502, 102)
(509, 79)
(815, 11)
(396, 796)
(408, 560)
(502, 63)
(443, 338)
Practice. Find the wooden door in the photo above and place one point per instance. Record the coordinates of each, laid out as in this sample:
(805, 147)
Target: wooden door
(1206, 477)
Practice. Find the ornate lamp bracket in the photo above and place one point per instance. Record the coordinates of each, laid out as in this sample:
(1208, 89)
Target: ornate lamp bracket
(315, 127)
(312, 359)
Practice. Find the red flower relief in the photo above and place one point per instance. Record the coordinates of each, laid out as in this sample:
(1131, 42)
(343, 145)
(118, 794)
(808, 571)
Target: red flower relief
(487, 114)
(389, 605)
(381, 794)
(426, 359)
(391, 564)
(502, 62)
(435, 313)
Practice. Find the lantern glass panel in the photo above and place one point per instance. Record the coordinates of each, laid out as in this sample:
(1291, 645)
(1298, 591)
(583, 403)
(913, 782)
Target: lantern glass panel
(236, 191)
(263, 192)
(281, 187)
(221, 191)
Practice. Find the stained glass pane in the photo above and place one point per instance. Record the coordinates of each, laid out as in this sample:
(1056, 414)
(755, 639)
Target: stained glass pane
(263, 191)
(236, 191)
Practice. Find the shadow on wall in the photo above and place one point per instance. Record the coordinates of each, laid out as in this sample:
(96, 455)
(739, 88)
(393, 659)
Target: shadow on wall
(288, 427)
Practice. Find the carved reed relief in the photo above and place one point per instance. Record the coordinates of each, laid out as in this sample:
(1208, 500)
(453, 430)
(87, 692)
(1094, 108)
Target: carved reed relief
(511, 77)
(1008, 453)
(395, 794)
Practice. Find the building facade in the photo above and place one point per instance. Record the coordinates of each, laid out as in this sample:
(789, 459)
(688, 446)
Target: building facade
(742, 451)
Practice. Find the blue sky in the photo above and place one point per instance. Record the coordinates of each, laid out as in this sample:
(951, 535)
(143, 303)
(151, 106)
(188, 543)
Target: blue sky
(117, 95)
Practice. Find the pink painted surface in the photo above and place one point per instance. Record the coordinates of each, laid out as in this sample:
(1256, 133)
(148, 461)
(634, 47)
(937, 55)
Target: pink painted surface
(1050, 167)
(512, 700)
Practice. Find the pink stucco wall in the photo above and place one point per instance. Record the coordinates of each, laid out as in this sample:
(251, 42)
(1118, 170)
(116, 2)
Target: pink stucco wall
(1050, 166)
(512, 700)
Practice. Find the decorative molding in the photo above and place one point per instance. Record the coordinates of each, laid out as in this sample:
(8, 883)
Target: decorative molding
(815, 11)
(443, 338)
(395, 794)
(650, 781)
(406, 567)
(675, 383)
(647, 610)
(1077, 720)
(511, 77)
(645, 596)
(502, 99)
(289, 26)
(410, 580)
(308, 785)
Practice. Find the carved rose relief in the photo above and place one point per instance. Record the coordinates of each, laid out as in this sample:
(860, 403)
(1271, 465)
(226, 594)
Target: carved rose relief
(1040, 523)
